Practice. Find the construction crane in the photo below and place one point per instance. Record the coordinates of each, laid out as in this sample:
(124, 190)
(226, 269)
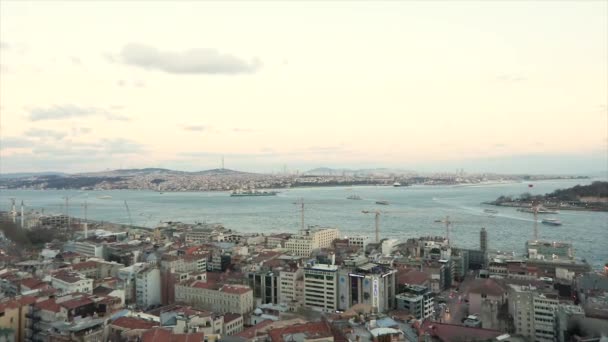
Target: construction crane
(448, 225)
(301, 204)
(377, 214)
(129, 213)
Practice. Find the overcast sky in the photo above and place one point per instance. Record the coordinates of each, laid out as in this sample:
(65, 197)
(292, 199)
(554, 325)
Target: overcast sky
(485, 86)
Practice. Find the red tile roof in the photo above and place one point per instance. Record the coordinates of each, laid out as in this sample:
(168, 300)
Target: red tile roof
(235, 289)
(229, 317)
(16, 303)
(162, 335)
(33, 283)
(251, 331)
(131, 323)
(487, 286)
(455, 333)
(76, 302)
(413, 277)
(84, 265)
(205, 285)
(48, 305)
(313, 330)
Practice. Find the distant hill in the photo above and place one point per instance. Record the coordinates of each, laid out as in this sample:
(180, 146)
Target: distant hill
(326, 171)
(30, 174)
(596, 190)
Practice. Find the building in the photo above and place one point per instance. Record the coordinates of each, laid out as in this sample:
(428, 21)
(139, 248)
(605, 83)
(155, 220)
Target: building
(321, 287)
(565, 315)
(549, 250)
(265, 286)
(90, 249)
(227, 298)
(14, 315)
(359, 241)
(310, 239)
(362, 282)
(186, 263)
(147, 287)
(291, 285)
(417, 300)
(533, 312)
(70, 282)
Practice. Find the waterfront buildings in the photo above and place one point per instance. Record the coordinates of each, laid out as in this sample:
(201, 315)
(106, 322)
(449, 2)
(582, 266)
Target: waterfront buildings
(223, 299)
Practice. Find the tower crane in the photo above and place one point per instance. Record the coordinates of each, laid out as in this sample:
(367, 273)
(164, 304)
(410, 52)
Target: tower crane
(377, 214)
(129, 213)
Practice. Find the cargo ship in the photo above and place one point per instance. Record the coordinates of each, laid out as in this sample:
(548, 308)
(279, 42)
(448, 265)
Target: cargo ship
(252, 193)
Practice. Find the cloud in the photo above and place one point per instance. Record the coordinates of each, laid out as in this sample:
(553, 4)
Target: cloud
(4, 46)
(45, 133)
(69, 111)
(15, 142)
(511, 78)
(121, 83)
(76, 61)
(136, 84)
(244, 130)
(195, 128)
(192, 61)
(500, 145)
(81, 130)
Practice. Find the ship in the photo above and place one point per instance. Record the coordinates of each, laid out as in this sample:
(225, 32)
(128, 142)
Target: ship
(354, 197)
(382, 202)
(396, 184)
(551, 222)
(490, 211)
(104, 197)
(538, 211)
(253, 193)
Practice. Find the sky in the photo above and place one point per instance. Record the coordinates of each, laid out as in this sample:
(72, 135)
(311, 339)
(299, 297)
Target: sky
(513, 87)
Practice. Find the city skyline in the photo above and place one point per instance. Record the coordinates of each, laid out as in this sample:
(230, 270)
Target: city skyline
(498, 87)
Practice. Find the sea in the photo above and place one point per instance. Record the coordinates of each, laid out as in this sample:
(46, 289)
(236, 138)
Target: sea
(412, 212)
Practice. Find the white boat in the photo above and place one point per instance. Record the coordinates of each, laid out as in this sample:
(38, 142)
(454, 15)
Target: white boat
(551, 222)
(104, 197)
(396, 184)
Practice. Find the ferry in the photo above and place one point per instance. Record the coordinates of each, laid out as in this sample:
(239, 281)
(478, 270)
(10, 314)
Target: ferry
(354, 197)
(551, 222)
(396, 184)
(253, 193)
(382, 202)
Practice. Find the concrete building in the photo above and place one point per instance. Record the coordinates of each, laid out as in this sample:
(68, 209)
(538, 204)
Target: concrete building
(549, 250)
(321, 287)
(533, 312)
(147, 287)
(359, 241)
(367, 283)
(310, 239)
(90, 249)
(565, 315)
(186, 263)
(228, 298)
(265, 286)
(417, 300)
(291, 285)
(14, 315)
(70, 282)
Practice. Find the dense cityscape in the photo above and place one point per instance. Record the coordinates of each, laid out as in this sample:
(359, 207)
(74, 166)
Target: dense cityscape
(68, 279)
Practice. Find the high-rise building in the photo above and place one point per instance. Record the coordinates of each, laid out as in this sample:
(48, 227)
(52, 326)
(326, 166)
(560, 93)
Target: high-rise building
(418, 300)
(366, 283)
(321, 287)
(291, 285)
(148, 287)
(483, 240)
(533, 312)
(265, 286)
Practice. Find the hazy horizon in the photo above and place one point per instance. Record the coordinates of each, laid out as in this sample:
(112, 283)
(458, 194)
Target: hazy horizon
(501, 87)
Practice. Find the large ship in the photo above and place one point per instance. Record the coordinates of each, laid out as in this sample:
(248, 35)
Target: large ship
(246, 193)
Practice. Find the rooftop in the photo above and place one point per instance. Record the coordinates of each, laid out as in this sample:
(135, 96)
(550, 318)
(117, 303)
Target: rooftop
(131, 323)
(163, 335)
(301, 332)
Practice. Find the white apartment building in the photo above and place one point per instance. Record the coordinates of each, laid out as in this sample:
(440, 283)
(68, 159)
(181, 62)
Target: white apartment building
(70, 282)
(228, 298)
(321, 287)
(533, 312)
(184, 264)
(310, 239)
(360, 241)
(88, 248)
(147, 287)
(291, 285)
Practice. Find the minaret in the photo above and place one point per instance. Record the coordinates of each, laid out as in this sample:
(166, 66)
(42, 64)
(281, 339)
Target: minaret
(14, 211)
(483, 240)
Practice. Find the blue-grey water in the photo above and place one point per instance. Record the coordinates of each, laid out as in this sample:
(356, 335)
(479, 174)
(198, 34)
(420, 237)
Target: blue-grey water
(411, 213)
